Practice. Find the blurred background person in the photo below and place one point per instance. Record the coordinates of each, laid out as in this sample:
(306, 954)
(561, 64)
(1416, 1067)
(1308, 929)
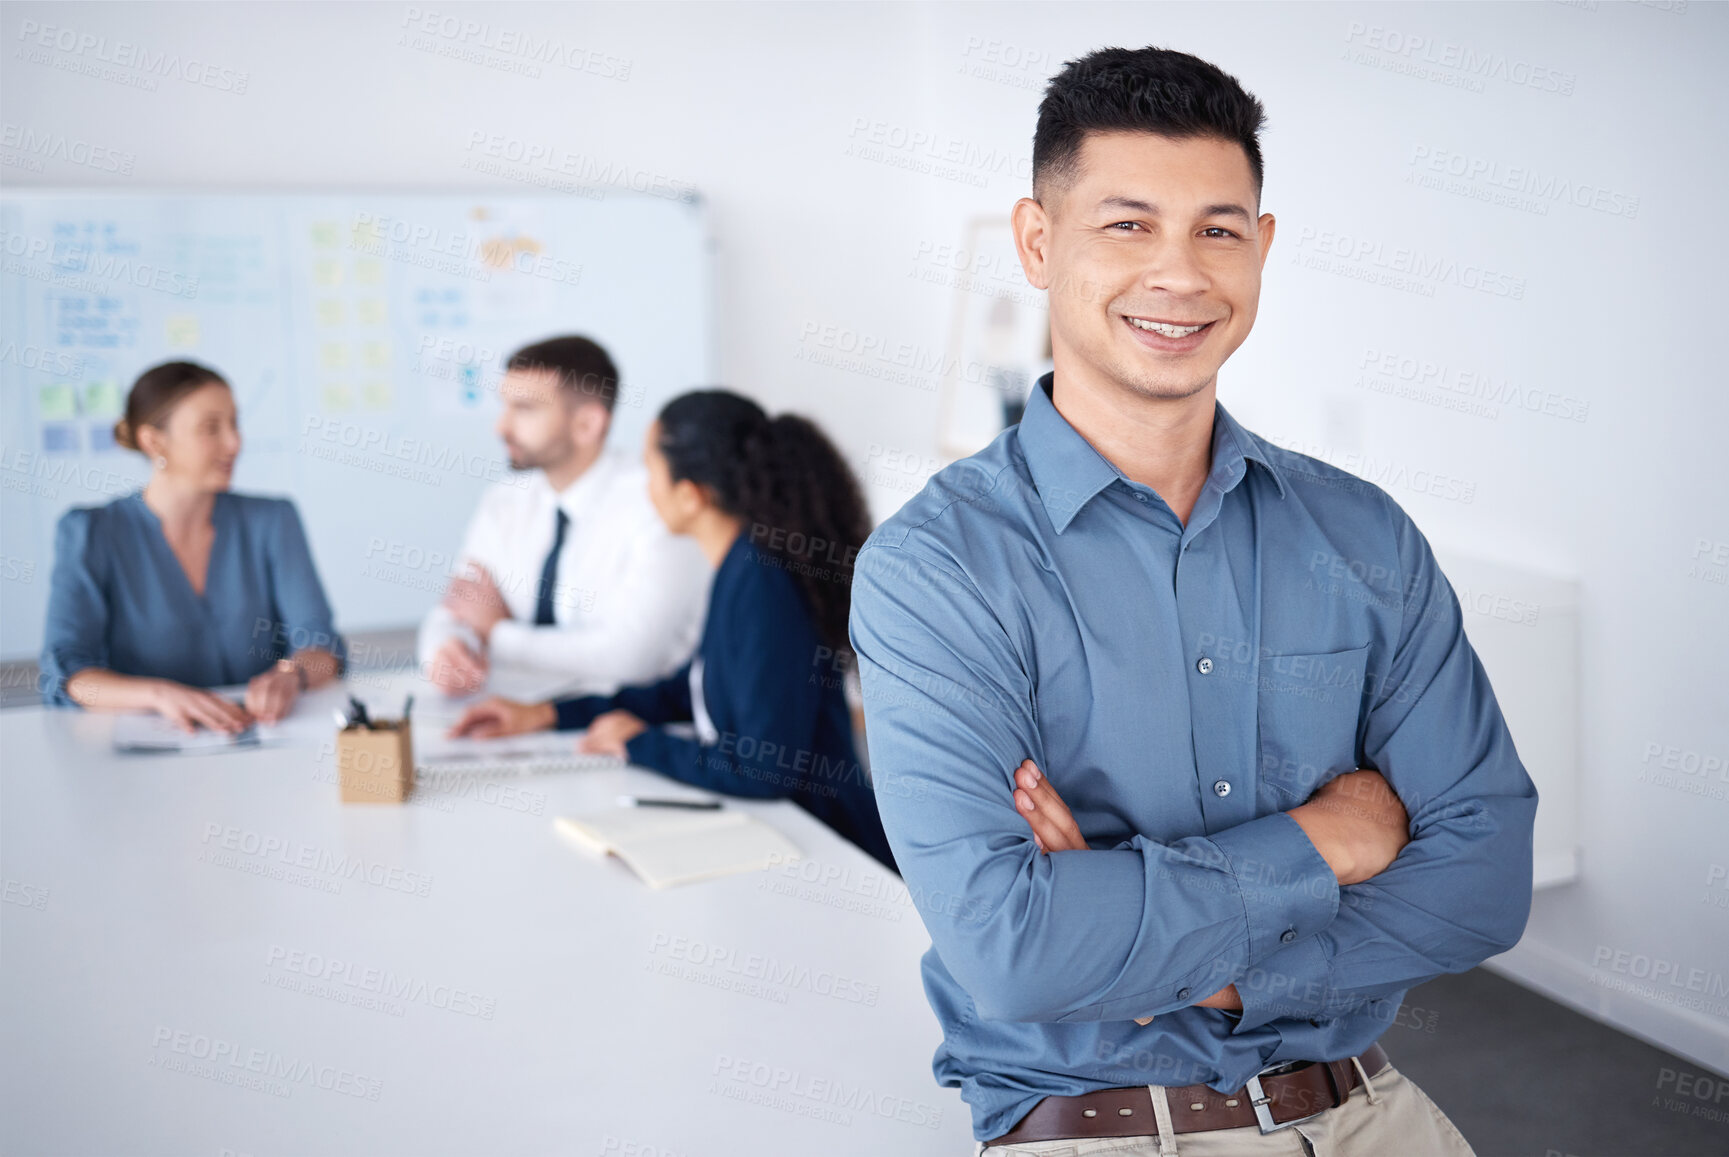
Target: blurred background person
(185, 585)
(772, 504)
(571, 572)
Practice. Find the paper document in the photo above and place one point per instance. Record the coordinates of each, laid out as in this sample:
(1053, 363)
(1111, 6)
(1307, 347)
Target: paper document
(530, 754)
(153, 734)
(666, 846)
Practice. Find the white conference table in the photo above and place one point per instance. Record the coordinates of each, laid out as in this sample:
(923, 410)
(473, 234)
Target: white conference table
(210, 954)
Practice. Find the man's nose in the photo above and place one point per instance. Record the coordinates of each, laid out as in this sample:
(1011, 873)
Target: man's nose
(1175, 268)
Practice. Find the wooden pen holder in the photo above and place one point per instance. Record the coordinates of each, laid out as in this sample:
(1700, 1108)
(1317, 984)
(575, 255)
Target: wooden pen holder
(375, 764)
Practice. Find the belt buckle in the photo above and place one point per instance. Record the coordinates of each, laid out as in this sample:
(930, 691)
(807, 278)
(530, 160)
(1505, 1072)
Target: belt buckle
(1259, 1100)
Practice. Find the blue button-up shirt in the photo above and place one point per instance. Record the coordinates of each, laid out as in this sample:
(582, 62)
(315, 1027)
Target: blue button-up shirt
(1182, 687)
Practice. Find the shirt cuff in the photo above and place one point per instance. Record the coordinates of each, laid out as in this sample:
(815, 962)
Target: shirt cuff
(505, 642)
(648, 748)
(434, 634)
(1295, 981)
(1288, 890)
(575, 714)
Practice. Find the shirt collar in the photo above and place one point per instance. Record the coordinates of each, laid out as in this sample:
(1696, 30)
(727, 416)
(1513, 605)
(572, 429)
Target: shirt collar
(1069, 473)
(580, 494)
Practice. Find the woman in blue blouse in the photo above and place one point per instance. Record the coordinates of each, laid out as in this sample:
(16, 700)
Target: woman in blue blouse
(775, 508)
(185, 585)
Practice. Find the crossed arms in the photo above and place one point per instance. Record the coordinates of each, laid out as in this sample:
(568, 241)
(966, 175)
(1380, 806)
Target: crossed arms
(1295, 910)
(1354, 820)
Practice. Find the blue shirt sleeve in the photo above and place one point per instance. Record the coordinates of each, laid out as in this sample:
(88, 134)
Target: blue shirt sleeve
(304, 619)
(1111, 933)
(1460, 891)
(76, 633)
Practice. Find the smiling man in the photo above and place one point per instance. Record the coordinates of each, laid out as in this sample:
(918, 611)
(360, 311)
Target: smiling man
(1183, 727)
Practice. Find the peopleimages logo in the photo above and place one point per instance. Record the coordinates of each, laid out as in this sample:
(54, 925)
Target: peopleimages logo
(796, 1091)
(266, 1064)
(381, 982)
(1402, 51)
(60, 147)
(88, 46)
(310, 857)
(81, 266)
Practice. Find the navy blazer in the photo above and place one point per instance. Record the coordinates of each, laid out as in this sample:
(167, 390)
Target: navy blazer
(780, 724)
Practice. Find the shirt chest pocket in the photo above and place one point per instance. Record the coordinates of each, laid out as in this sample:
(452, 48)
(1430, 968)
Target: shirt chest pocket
(1308, 706)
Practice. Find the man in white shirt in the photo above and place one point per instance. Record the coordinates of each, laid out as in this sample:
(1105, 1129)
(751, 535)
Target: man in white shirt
(573, 573)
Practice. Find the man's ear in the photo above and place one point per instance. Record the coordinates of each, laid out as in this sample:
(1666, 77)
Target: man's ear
(1265, 228)
(1030, 225)
(590, 422)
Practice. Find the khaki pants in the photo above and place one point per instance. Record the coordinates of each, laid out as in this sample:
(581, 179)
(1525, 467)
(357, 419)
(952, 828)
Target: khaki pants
(1388, 1115)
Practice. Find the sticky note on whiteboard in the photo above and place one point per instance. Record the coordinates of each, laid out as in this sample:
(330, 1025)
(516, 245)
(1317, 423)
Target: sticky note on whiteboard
(56, 403)
(181, 330)
(102, 400)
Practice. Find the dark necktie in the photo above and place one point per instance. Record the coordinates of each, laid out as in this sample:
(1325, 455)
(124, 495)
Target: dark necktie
(549, 575)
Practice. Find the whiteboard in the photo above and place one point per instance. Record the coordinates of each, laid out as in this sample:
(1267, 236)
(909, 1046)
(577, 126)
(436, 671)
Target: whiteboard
(363, 335)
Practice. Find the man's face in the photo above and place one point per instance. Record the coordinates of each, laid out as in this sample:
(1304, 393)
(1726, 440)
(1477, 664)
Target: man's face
(1152, 233)
(536, 419)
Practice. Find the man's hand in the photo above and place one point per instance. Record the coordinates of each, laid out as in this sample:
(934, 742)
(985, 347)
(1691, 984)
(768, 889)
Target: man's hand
(1357, 824)
(1054, 830)
(474, 599)
(497, 717)
(607, 734)
(456, 669)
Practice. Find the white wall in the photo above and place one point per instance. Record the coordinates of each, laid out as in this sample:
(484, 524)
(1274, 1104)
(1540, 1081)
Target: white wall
(758, 106)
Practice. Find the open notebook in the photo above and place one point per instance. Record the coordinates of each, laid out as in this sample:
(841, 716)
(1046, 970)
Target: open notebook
(667, 846)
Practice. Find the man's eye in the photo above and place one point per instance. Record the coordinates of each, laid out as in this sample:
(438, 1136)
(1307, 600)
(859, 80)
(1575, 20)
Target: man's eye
(1125, 226)
(1218, 229)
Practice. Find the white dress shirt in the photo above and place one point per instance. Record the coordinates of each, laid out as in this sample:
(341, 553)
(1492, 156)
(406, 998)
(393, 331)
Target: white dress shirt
(629, 599)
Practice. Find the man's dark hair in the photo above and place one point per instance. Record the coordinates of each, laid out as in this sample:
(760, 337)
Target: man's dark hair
(582, 366)
(1146, 90)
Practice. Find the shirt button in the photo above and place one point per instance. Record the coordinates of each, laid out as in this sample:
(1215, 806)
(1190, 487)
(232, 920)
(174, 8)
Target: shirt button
(1288, 935)
(1221, 787)
(1182, 994)
(1204, 665)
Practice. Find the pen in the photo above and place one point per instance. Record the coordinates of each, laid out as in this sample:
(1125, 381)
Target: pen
(407, 706)
(711, 805)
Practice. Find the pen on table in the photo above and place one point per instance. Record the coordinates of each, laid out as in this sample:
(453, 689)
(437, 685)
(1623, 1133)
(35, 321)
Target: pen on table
(708, 805)
(407, 706)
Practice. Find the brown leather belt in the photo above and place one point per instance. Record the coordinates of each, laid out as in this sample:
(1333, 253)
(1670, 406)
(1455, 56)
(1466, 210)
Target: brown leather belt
(1272, 1102)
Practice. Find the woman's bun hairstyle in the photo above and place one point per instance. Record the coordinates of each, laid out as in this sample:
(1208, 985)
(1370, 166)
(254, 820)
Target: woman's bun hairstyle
(155, 394)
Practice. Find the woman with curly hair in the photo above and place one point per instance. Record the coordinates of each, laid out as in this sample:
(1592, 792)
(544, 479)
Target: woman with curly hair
(776, 510)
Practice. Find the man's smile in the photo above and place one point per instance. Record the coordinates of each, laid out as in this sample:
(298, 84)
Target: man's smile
(1168, 335)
